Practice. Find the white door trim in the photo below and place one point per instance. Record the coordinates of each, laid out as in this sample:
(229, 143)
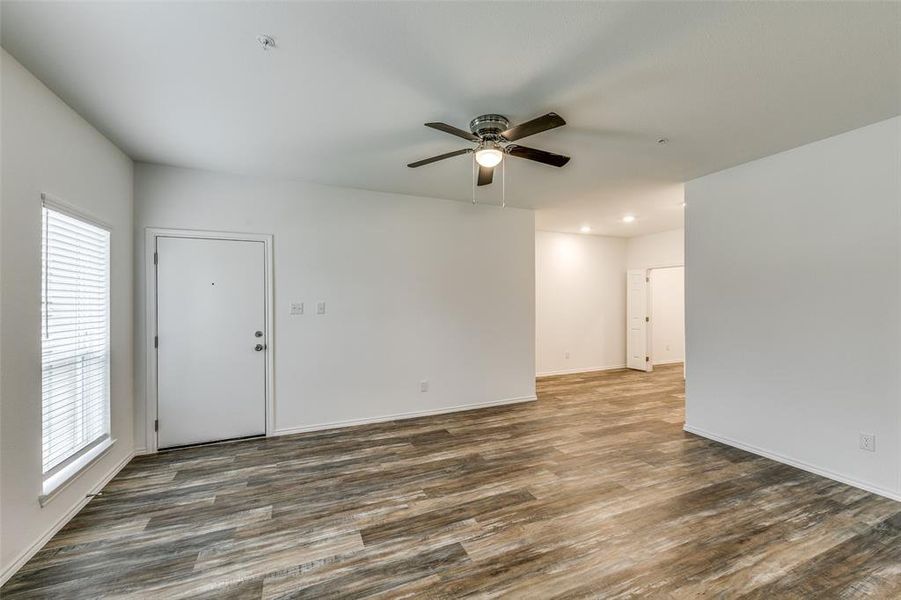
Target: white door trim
(150, 316)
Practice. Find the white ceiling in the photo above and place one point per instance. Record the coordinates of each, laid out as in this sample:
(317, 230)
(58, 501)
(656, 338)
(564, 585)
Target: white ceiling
(343, 97)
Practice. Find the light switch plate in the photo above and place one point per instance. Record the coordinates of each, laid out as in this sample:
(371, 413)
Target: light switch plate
(320, 308)
(296, 308)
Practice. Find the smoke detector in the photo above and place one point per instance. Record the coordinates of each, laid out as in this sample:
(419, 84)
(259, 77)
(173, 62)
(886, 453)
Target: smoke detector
(266, 41)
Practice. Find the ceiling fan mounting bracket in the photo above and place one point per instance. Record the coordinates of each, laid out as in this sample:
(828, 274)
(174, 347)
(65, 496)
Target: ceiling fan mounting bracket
(489, 125)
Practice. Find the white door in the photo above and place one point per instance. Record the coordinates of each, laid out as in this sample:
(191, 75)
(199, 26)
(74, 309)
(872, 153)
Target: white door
(637, 320)
(211, 355)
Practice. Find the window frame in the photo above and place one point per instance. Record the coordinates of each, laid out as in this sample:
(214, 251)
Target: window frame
(64, 472)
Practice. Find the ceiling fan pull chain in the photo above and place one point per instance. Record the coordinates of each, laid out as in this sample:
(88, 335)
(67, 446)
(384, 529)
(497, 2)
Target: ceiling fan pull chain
(473, 180)
(504, 185)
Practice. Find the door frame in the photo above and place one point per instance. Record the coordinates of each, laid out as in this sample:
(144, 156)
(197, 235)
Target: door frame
(650, 342)
(151, 396)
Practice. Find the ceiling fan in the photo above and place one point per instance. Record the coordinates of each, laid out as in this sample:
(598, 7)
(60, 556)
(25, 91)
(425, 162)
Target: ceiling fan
(493, 134)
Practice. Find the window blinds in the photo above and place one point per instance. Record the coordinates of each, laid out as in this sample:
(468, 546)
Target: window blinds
(75, 337)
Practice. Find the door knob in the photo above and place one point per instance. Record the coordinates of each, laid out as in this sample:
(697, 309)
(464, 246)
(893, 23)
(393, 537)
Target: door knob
(257, 334)
(259, 347)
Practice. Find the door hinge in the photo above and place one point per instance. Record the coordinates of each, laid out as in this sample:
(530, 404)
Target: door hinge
(156, 341)
(647, 359)
(647, 319)
(156, 425)
(647, 280)
(156, 258)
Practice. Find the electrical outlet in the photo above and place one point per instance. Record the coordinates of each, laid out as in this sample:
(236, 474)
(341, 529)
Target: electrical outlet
(566, 355)
(320, 308)
(868, 442)
(424, 385)
(296, 308)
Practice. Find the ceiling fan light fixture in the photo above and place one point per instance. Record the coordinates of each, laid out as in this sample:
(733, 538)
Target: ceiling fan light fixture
(489, 156)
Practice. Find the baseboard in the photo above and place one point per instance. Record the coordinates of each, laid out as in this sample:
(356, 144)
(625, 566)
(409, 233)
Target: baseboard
(582, 370)
(669, 362)
(142, 451)
(401, 416)
(26, 555)
(892, 495)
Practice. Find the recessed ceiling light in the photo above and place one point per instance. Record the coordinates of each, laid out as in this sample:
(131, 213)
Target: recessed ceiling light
(628, 218)
(683, 205)
(266, 41)
(585, 229)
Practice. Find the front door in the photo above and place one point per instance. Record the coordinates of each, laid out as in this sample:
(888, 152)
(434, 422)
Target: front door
(211, 344)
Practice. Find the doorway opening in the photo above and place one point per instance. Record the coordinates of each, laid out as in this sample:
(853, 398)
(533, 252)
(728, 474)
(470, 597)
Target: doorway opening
(666, 293)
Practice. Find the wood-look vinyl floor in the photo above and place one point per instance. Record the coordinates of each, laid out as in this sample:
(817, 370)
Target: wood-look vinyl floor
(593, 491)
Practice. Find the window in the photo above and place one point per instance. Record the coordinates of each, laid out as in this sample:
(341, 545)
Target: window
(75, 334)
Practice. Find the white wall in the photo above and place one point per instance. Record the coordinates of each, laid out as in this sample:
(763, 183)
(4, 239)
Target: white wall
(667, 291)
(793, 306)
(655, 250)
(580, 297)
(415, 288)
(46, 147)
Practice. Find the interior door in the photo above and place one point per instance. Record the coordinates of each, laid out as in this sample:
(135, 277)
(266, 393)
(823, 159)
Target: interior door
(637, 320)
(211, 345)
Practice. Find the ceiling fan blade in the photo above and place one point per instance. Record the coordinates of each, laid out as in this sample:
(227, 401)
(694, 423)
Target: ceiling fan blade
(427, 161)
(548, 158)
(453, 131)
(537, 125)
(486, 175)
